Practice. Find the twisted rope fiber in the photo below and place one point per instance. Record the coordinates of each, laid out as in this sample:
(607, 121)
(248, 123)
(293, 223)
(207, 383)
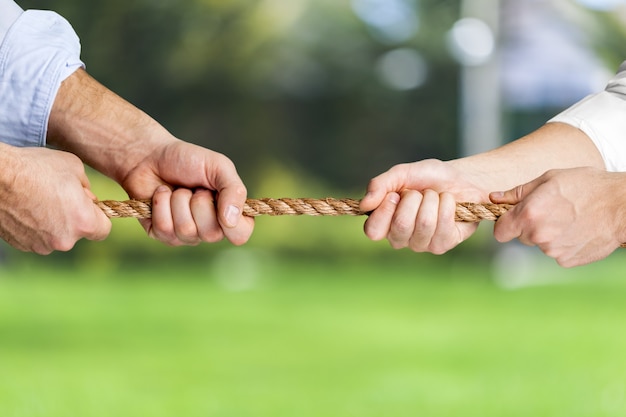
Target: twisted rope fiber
(465, 212)
(142, 209)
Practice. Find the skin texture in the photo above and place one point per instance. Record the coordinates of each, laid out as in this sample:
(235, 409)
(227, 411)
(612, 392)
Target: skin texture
(566, 202)
(46, 201)
(51, 207)
(574, 215)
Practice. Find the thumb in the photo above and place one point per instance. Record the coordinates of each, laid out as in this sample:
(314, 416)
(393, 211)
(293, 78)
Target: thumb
(231, 198)
(222, 177)
(392, 181)
(514, 195)
(101, 224)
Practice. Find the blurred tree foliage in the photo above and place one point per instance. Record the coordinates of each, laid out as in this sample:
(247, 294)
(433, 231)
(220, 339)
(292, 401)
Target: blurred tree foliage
(261, 80)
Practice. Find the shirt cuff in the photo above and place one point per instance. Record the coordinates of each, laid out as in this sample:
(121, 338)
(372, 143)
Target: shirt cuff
(602, 117)
(39, 51)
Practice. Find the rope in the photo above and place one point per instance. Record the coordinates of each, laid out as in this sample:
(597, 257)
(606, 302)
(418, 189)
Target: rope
(142, 209)
(465, 212)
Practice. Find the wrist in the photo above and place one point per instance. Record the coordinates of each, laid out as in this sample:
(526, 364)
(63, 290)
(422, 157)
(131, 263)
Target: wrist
(105, 131)
(8, 161)
(470, 170)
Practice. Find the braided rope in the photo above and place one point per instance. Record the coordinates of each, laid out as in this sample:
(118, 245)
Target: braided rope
(142, 209)
(465, 212)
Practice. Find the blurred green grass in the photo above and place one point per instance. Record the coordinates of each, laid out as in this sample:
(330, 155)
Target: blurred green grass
(253, 333)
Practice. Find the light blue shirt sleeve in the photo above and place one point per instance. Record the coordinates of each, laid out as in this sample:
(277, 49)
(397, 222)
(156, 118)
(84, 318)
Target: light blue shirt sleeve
(602, 117)
(38, 51)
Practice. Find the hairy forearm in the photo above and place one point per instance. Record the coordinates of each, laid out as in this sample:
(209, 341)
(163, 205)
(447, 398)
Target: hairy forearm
(105, 131)
(553, 146)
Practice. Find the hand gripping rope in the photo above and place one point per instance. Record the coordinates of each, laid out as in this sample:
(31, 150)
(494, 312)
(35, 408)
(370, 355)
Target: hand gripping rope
(142, 209)
(465, 212)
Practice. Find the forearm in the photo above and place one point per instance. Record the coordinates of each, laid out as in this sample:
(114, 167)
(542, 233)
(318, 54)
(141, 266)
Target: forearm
(105, 131)
(553, 146)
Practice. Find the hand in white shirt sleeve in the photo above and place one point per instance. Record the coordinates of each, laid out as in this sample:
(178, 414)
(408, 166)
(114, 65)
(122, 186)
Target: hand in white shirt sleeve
(602, 117)
(39, 50)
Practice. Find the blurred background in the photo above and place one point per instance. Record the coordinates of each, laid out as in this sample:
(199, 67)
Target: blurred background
(312, 98)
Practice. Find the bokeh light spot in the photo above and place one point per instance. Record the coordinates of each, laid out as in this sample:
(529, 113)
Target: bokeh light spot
(402, 69)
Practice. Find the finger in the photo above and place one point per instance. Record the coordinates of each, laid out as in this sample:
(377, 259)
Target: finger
(512, 224)
(508, 226)
(161, 227)
(515, 195)
(84, 220)
(230, 202)
(241, 233)
(425, 222)
(403, 222)
(205, 216)
(100, 223)
(449, 233)
(90, 194)
(184, 224)
(75, 164)
(231, 192)
(231, 197)
(379, 222)
(379, 187)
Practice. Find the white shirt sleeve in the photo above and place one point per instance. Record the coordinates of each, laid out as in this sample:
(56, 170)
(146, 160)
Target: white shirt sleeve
(9, 12)
(602, 117)
(39, 50)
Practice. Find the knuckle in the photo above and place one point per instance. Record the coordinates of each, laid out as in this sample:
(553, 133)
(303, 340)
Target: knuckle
(438, 248)
(397, 168)
(62, 244)
(240, 191)
(531, 214)
(417, 247)
(565, 263)
(212, 236)
(226, 163)
(553, 251)
(438, 251)
(39, 249)
(186, 230)
(402, 226)
(71, 158)
(424, 224)
(167, 237)
(396, 244)
(374, 184)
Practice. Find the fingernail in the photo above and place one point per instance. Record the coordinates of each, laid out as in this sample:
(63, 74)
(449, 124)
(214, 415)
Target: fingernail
(232, 216)
(394, 198)
(161, 189)
(497, 194)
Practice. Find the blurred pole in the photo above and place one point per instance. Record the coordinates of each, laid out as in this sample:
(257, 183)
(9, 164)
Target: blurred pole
(480, 87)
